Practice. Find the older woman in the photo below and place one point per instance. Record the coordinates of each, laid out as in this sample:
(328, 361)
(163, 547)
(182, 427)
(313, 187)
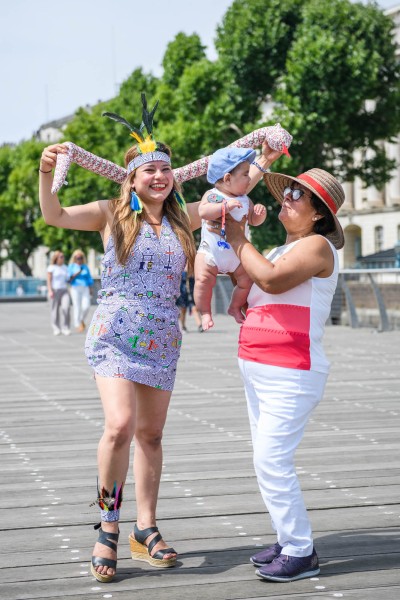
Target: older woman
(282, 362)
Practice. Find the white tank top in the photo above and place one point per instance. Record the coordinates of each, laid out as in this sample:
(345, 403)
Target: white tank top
(286, 329)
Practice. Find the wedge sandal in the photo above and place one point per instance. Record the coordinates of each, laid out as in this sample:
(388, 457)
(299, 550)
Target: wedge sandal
(110, 540)
(141, 551)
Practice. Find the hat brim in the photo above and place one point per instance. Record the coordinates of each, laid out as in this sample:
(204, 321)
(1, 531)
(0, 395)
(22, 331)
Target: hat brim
(276, 183)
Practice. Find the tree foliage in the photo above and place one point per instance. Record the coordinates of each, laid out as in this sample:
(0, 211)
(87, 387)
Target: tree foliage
(19, 203)
(327, 71)
(252, 42)
(340, 90)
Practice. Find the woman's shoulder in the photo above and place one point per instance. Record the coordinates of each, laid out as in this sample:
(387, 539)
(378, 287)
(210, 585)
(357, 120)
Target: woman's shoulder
(318, 241)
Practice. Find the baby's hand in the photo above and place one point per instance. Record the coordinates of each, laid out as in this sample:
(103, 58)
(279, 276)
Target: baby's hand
(233, 203)
(259, 210)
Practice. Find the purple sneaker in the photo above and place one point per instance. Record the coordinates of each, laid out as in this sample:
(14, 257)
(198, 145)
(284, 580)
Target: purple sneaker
(289, 568)
(266, 556)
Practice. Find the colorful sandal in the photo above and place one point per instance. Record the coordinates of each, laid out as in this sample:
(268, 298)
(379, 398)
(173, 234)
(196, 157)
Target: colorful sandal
(139, 550)
(110, 540)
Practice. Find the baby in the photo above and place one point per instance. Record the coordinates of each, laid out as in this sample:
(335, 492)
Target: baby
(228, 170)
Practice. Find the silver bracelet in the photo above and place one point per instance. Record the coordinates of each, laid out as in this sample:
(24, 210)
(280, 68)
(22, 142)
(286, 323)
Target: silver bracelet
(260, 168)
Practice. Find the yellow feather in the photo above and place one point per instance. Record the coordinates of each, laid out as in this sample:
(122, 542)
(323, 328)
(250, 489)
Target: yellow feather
(134, 135)
(148, 145)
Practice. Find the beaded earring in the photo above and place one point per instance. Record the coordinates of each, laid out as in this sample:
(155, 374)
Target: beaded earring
(136, 204)
(180, 200)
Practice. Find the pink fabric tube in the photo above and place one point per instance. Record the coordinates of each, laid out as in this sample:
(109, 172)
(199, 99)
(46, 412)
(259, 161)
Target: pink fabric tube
(88, 161)
(277, 137)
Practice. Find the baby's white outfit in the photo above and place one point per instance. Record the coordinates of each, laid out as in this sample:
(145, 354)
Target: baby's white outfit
(224, 259)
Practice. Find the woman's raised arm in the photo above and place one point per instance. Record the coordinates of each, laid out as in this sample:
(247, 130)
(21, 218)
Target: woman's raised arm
(84, 217)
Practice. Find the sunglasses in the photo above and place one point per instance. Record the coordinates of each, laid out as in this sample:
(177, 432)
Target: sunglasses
(294, 192)
(78, 257)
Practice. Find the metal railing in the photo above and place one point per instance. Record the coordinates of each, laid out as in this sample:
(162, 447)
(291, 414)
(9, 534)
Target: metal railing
(363, 298)
(368, 297)
(23, 288)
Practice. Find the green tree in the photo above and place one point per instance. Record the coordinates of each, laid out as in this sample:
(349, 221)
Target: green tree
(252, 42)
(321, 64)
(340, 92)
(19, 203)
(183, 51)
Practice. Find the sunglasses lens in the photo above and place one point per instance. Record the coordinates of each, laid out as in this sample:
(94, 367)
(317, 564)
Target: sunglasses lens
(287, 191)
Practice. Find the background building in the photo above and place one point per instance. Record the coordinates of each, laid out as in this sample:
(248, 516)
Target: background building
(370, 217)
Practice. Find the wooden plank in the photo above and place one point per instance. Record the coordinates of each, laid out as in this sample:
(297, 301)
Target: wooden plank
(209, 507)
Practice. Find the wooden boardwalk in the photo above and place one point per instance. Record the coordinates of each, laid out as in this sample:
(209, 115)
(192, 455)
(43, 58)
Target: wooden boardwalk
(209, 507)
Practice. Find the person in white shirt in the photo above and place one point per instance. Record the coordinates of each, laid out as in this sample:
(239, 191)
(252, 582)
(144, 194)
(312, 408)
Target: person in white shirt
(58, 294)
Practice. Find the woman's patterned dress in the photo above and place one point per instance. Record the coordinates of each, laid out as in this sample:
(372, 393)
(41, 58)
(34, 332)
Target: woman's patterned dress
(134, 333)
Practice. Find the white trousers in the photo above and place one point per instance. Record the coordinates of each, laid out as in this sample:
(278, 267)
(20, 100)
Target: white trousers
(80, 295)
(60, 307)
(279, 402)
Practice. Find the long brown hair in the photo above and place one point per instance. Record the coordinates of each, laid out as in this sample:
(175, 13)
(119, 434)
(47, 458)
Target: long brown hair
(126, 224)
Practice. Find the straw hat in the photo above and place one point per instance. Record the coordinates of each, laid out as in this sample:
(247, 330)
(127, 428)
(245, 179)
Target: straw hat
(319, 182)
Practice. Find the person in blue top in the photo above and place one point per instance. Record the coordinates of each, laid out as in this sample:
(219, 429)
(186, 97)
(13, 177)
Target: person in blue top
(81, 283)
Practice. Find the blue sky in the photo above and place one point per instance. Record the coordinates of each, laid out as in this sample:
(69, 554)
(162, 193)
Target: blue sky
(59, 56)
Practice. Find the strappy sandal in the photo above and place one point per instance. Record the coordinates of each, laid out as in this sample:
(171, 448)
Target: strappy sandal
(140, 551)
(110, 540)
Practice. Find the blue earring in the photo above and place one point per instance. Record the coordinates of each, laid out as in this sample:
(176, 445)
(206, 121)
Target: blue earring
(136, 205)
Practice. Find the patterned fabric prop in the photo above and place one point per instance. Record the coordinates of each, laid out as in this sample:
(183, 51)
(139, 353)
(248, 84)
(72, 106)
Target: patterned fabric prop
(277, 137)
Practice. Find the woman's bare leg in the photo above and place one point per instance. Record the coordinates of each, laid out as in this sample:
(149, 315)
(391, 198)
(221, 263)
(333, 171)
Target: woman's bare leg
(119, 405)
(151, 413)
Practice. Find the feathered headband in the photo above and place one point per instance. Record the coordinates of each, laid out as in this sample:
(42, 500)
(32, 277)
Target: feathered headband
(278, 139)
(147, 146)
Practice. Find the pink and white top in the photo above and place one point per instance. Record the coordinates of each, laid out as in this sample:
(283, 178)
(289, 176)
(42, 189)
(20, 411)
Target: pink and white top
(286, 330)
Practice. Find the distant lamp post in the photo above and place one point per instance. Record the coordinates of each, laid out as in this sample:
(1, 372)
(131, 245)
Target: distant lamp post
(397, 254)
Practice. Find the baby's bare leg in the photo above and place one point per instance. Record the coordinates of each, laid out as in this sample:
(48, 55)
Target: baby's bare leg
(239, 294)
(205, 277)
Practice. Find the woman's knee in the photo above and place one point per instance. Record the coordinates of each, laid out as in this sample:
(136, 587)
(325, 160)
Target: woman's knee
(118, 434)
(149, 436)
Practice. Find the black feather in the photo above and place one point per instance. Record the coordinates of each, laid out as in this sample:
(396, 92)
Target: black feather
(144, 100)
(151, 115)
(147, 117)
(119, 119)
